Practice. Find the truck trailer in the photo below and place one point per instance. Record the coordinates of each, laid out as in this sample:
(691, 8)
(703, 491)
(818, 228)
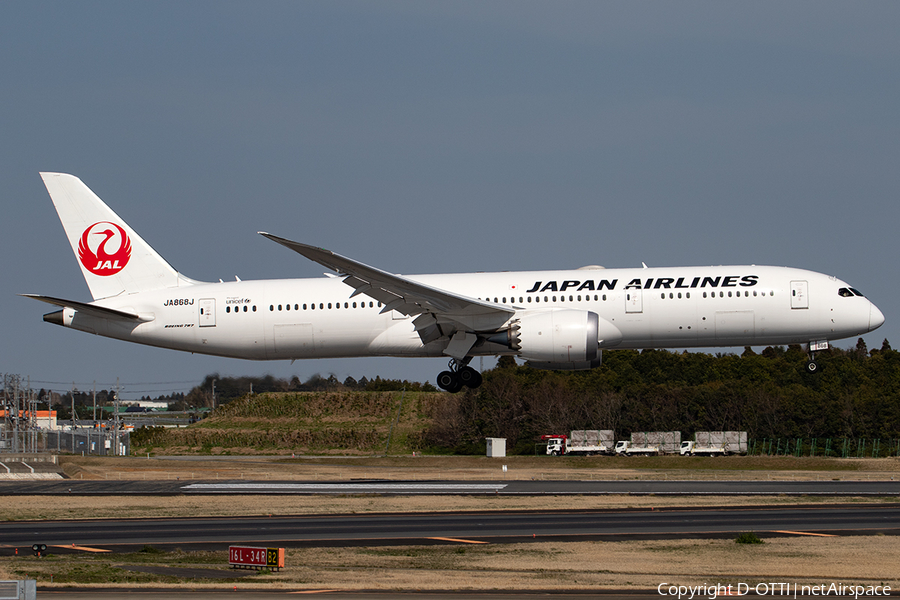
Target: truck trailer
(667, 442)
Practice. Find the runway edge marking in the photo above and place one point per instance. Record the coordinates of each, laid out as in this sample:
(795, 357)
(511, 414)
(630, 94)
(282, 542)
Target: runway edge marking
(805, 533)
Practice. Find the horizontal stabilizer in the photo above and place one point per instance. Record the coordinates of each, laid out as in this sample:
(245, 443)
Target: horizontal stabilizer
(88, 309)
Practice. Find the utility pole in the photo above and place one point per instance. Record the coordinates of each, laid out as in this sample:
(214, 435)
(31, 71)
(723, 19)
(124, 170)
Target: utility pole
(214, 394)
(17, 412)
(32, 423)
(93, 417)
(73, 417)
(116, 420)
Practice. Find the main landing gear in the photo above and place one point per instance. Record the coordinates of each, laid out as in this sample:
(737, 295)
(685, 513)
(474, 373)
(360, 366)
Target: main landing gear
(459, 375)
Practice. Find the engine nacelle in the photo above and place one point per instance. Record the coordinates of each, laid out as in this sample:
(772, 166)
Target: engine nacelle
(562, 338)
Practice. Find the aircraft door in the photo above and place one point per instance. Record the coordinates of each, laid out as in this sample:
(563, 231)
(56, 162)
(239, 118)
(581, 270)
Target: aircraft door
(799, 294)
(207, 312)
(634, 301)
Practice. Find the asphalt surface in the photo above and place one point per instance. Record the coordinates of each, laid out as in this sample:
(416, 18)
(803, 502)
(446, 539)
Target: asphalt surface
(419, 487)
(439, 528)
(216, 533)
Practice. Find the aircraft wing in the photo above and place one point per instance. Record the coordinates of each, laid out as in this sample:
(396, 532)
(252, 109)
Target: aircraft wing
(400, 293)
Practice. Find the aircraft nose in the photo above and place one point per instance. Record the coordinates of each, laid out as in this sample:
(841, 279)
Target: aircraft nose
(876, 318)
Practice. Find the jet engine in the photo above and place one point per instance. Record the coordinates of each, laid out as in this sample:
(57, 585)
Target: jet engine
(564, 339)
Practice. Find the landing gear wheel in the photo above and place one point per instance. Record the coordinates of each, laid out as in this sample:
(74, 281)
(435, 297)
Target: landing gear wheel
(469, 377)
(449, 381)
(812, 367)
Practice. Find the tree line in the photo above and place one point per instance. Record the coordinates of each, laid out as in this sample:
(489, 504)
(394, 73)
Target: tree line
(769, 395)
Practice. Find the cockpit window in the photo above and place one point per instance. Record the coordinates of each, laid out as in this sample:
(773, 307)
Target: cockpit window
(849, 292)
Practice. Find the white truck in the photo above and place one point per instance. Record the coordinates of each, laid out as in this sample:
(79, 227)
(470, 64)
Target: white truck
(626, 448)
(715, 443)
(583, 442)
(689, 448)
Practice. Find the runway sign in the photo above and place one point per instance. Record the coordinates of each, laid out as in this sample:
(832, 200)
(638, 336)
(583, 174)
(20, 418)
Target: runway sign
(249, 556)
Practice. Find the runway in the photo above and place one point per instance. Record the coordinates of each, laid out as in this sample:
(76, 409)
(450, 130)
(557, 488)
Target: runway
(457, 528)
(469, 487)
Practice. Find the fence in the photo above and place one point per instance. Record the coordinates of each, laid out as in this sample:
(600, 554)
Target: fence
(93, 442)
(838, 447)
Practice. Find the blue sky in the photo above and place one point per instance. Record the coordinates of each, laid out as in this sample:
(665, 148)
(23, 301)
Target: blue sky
(441, 137)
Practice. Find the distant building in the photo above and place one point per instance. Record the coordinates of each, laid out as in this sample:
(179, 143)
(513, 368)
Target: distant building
(44, 419)
(153, 404)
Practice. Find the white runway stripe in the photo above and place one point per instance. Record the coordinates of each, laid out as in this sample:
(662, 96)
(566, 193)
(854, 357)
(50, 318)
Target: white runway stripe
(341, 487)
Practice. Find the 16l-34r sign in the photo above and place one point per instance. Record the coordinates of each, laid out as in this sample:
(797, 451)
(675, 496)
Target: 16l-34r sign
(253, 557)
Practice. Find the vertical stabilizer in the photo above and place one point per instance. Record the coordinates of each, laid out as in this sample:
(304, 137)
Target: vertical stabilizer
(113, 258)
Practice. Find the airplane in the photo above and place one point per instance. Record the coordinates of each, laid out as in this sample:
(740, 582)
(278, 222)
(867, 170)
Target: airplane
(559, 320)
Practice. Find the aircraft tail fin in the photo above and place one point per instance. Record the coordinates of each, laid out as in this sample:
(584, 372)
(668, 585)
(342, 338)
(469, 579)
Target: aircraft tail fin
(113, 258)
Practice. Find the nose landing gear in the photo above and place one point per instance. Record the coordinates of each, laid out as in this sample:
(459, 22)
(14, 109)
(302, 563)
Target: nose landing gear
(459, 375)
(812, 367)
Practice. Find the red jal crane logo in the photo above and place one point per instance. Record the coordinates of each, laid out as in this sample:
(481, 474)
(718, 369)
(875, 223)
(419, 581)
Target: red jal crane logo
(104, 248)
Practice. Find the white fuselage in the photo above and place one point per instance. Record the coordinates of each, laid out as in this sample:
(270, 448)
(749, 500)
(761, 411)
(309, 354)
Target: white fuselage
(677, 307)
